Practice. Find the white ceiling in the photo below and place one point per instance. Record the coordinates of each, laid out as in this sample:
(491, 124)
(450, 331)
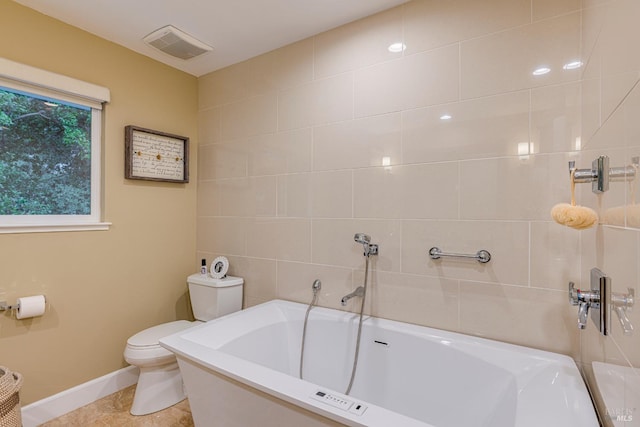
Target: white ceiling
(237, 29)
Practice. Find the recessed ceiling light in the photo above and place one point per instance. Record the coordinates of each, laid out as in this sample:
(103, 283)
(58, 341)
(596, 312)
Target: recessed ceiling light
(541, 71)
(572, 65)
(397, 47)
(445, 117)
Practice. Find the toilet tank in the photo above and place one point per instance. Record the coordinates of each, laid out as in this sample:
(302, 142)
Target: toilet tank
(211, 298)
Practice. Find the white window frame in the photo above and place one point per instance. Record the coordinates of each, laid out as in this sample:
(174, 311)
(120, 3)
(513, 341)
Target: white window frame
(32, 80)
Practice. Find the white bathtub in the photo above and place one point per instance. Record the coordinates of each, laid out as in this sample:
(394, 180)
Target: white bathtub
(242, 369)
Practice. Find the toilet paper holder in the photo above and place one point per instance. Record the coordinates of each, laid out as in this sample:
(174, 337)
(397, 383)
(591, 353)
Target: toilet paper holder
(4, 306)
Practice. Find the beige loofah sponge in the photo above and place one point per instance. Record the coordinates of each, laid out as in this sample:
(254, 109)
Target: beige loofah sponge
(578, 217)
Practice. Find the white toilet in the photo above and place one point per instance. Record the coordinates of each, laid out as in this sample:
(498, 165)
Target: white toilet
(160, 383)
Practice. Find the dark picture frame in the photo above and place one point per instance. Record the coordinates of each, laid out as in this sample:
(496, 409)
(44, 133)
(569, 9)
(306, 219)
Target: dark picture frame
(152, 155)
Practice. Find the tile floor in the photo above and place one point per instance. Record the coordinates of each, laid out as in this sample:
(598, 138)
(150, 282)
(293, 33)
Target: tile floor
(113, 411)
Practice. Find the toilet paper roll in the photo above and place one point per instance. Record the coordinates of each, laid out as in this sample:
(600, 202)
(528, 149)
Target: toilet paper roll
(31, 307)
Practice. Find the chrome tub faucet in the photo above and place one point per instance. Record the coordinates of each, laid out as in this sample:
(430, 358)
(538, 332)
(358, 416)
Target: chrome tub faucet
(359, 292)
(369, 249)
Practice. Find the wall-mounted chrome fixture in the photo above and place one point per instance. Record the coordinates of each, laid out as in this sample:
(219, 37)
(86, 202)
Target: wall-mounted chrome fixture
(481, 256)
(592, 300)
(600, 300)
(365, 240)
(4, 306)
(621, 303)
(26, 307)
(601, 174)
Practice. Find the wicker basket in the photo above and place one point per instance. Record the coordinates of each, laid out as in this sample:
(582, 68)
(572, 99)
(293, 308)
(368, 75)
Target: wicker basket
(10, 384)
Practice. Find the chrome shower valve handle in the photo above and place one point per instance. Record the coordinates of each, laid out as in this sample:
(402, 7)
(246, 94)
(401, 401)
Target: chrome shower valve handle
(584, 300)
(600, 301)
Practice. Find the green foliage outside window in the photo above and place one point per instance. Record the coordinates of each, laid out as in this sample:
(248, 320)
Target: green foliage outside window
(45, 156)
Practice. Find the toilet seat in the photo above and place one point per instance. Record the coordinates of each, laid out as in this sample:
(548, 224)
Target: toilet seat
(143, 349)
(151, 336)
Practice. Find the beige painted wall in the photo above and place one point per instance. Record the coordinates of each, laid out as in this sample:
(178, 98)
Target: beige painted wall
(102, 286)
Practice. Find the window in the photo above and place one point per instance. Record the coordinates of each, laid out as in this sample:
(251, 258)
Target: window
(45, 156)
(50, 143)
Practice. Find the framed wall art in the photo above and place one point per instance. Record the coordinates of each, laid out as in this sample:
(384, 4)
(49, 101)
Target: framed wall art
(155, 156)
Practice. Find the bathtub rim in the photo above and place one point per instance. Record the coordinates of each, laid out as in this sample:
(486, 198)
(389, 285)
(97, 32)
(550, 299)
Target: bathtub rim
(293, 390)
(277, 384)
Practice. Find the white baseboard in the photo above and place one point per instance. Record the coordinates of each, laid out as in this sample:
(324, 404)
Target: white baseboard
(69, 400)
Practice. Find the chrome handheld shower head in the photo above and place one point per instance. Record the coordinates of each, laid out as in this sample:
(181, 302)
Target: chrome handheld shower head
(362, 238)
(365, 240)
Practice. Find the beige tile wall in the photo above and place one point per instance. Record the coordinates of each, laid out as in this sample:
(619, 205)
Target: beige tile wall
(611, 126)
(292, 145)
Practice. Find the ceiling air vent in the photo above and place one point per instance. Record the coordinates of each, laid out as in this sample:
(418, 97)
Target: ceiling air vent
(176, 43)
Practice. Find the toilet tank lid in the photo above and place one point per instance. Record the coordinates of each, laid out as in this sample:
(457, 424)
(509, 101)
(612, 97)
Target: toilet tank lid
(199, 279)
(151, 336)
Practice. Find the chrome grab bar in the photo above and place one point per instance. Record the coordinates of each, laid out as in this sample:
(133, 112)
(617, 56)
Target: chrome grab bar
(481, 256)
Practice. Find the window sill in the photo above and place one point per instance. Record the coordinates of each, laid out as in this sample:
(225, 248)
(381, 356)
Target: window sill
(53, 228)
